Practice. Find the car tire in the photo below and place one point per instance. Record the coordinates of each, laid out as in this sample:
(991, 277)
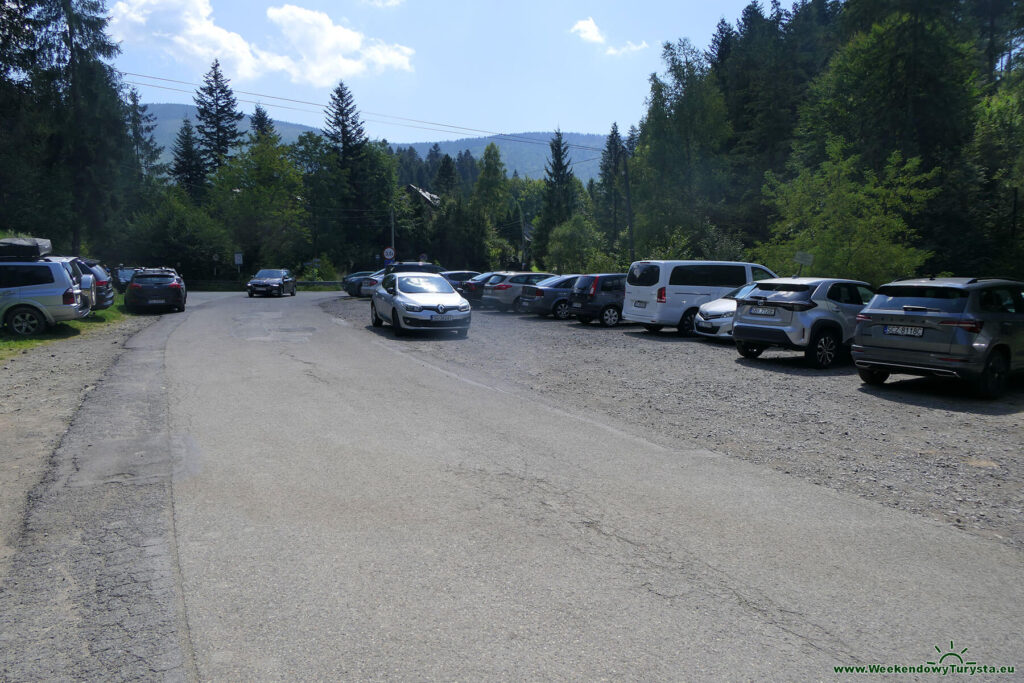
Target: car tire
(561, 310)
(294, 289)
(873, 377)
(519, 305)
(251, 295)
(994, 379)
(610, 316)
(584, 319)
(824, 350)
(748, 350)
(653, 328)
(24, 321)
(375, 319)
(685, 327)
(397, 324)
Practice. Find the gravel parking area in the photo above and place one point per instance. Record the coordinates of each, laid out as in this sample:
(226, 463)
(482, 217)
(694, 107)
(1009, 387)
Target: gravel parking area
(920, 444)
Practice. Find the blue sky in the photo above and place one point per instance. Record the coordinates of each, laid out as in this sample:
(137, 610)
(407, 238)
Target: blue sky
(469, 64)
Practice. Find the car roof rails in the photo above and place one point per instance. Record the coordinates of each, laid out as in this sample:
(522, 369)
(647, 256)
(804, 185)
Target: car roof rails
(992, 277)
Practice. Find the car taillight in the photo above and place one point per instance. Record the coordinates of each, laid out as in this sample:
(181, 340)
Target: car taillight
(863, 318)
(502, 287)
(174, 285)
(593, 287)
(803, 306)
(972, 326)
(135, 285)
(539, 293)
(69, 297)
(371, 281)
(102, 283)
(661, 296)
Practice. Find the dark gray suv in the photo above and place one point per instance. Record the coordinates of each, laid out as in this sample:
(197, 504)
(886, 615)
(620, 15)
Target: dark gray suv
(599, 296)
(967, 328)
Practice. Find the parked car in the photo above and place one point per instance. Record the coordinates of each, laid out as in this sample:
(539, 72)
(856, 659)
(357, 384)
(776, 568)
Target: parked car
(122, 276)
(456, 277)
(155, 287)
(966, 328)
(35, 294)
(473, 288)
(370, 284)
(714, 319)
(413, 267)
(599, 296)
(811, 314)
(548, 297)
(352, 282)
(419, 301)
(82, 274)
(505, 287)
(272, 282)
(105, 293)
(669, 293)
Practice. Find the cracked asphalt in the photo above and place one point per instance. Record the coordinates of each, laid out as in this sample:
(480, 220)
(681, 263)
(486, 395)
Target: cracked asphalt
(271, 489)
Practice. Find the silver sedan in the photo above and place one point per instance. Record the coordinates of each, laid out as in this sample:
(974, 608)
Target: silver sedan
(714, 319)
(419, 301)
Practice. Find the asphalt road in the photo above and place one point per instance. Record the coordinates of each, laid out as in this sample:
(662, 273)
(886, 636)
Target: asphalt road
(286, 495)
(343, 510)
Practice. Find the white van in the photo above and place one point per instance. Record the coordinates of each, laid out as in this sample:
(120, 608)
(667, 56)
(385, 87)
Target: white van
(668, 293)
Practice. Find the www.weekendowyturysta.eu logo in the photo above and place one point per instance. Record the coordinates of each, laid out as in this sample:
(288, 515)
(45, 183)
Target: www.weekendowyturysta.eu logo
(953, 661)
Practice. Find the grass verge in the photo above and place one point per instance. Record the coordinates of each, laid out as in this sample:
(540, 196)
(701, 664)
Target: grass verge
(11, 344)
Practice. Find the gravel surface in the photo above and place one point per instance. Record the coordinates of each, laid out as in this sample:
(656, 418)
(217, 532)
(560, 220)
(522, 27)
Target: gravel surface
(923, 445)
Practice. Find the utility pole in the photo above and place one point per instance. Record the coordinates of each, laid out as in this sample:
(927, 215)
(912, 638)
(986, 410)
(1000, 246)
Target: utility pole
(522, 231)
(392, 244)
(629, 205)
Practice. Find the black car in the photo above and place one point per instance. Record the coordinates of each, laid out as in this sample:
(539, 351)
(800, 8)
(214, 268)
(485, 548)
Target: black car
(155, 287)
(122, 275)
(599, 296)
(272, 282)
(352, 282)
(473, 288)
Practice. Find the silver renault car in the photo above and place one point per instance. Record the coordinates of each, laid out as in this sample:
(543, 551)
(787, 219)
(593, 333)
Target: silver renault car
(967, 328)
(419, 301)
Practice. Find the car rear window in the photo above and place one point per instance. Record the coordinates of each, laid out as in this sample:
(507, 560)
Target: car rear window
(644, 274)
(159, 279)
(583, 283)
(25, 276)
(944, 299)
(709, 275)
(782, 291)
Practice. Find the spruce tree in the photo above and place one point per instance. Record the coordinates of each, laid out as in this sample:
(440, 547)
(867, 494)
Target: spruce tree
(446, 182)
(607, 191)
(188, 170)
(261, 125)
(559, 202)
(217, 128)
(141, 125)
(343, 128)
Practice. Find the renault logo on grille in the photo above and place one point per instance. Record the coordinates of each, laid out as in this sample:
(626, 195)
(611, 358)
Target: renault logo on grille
(440, 308)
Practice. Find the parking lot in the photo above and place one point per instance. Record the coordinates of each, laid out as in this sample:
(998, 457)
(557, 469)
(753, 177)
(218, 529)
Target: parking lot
(918, 444)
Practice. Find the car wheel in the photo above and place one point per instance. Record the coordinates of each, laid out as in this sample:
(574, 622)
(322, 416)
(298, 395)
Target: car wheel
(251, 295)
(685, 326)
(993, 380)
(24, 321)
(653, 328)
(749, 350)
(561, 310)
(610, 316)
(875, 378)
(396, 324)
(294, 289)
(375, 319)
(584, 319)
(824, 349)
(180, 308)
(519, 305)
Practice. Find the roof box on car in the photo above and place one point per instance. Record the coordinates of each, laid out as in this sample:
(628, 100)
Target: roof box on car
(25, 247)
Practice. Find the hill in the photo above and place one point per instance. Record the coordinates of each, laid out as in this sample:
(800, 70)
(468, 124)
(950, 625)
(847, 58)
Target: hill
(526, 158)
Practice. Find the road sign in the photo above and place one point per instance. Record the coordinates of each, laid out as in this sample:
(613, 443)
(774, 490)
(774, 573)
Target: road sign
(803, 258)
(389, 253)
(423, 257)
(238, 258)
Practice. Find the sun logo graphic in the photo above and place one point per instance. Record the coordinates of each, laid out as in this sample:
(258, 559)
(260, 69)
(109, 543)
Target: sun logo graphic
(952, 653)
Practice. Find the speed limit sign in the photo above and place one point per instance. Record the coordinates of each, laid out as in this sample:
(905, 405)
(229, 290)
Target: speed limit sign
(389, 253)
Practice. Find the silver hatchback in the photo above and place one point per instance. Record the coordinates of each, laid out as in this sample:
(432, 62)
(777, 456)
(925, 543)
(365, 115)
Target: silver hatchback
(419, 301)
(811, 314)
(967, 328)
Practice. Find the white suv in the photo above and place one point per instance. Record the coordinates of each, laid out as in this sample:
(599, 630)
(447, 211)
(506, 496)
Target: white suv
(811, 314)
(35, 294)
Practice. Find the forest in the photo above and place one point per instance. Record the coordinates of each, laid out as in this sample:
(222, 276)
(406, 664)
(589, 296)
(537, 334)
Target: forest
(884, 137)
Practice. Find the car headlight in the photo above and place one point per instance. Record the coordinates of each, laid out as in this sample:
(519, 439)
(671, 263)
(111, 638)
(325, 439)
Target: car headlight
(729, 314)
(412, 308)
(464, 306)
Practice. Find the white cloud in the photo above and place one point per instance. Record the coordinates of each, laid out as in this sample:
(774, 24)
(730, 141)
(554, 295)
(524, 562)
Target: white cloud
(587, 30)
(316, 50)
(384, 3)
(628, 47)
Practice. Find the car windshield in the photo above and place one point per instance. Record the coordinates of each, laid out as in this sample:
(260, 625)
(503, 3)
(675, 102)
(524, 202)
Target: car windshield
(423, 284)
(741, 292)
(944, 299)
(266, 272)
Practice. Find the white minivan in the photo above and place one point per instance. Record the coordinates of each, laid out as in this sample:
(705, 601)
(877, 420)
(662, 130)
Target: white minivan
(668, 293)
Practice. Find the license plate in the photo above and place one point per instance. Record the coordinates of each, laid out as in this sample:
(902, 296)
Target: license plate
(577, 305)
(640, 304)
(442, 318)
(903, 331)
(759, 310)
(704, 326)
(157, 301)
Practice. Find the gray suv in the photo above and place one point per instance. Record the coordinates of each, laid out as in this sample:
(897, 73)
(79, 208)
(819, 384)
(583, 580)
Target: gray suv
(967, 328)
(598, 296)
(35, 294)
(811, 314)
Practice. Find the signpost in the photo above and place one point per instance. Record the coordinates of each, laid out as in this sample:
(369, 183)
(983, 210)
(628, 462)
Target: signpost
(804, 259)
(389, 255)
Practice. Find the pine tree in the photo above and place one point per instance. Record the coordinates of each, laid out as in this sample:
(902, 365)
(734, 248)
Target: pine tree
(188, 170)
(446, 182)
(607, 192)
(141, 125)
(343, 128)
(218, 116)
(559, 195)
(263, 126)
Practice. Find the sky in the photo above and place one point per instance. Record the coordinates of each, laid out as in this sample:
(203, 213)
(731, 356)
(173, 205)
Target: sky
(419, 70)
